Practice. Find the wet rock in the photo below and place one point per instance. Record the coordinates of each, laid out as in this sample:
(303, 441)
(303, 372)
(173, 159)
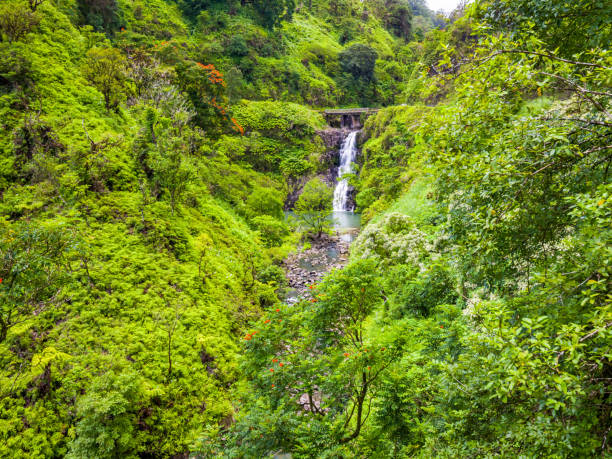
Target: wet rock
(307, 267)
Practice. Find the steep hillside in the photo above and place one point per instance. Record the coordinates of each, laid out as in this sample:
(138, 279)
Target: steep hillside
(148, 151)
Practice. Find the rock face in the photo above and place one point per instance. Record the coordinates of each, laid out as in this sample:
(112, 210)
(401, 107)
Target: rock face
(332, 139)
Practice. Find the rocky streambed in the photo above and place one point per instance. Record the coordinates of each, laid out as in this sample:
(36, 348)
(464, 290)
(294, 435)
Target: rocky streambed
(309, 264)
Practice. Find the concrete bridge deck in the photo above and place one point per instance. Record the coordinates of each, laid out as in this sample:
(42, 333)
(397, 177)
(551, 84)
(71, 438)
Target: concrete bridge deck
(348, 118)
(350, 111)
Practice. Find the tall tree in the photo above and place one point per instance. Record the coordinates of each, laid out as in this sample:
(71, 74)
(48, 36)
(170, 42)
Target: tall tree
(105, 69)
(314, 206)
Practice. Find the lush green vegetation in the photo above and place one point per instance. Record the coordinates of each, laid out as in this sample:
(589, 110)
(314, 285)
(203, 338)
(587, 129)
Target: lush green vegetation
(147, 151)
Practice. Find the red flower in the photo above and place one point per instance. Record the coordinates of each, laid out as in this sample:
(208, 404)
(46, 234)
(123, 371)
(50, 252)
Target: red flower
(441, 326)
(278, 310)
(274, 360)
(369, 368)
(266, 321)
(272, 370)
(313, 301)
(0, 280)
(272, 385)
(346, 354)
(311, 287)
(248, 337)
(281, 364)
(254, 333)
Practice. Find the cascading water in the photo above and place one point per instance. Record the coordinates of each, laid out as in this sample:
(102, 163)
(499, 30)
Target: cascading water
(348, 153)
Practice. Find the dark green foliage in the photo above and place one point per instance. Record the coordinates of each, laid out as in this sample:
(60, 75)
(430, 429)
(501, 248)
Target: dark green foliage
(102, 15)
(357, 63)
(398, 19)
(15, 68)
(272, 13)
(358, 60)
(237, 46)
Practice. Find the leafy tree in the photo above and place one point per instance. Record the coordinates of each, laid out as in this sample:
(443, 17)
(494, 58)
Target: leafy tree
(16, 21)
(399, 17)
(15, 68)
(237, 46)
(272, 230)
(32, 271)
(272, 13)
(359, 60)
(314, 206)
(235, 84)
(108, 414)
(172, 175)
(265, 201)
(105, 69)
(103, 15)
(570, 26)
(357, 63)
(313, 369)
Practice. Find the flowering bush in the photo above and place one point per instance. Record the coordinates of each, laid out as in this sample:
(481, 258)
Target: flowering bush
(393, 240)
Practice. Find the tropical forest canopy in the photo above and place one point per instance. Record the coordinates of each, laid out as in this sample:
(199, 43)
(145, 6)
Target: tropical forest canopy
(148, 151)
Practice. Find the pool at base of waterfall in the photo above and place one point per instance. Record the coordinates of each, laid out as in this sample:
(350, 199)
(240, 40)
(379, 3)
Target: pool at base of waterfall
(346, 224)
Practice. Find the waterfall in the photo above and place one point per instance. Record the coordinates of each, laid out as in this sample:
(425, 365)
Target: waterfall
(348, 153)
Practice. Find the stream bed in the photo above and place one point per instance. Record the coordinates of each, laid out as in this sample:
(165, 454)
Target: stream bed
(308, 265)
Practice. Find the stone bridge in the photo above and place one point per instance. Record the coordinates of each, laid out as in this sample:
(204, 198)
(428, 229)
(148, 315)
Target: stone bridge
(348, 118)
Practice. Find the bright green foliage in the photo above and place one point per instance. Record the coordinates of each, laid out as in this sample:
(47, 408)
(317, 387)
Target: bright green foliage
(146, 151)
(272, 230)
(388, 166)
(265, 201)
(33, 270)
(394, 239)
(128, 267)
(108, 418)
(105, 69)
(497, 278)
(313, 371)
(314, 206)
(282, 139)
(587, 21)
(16, 21)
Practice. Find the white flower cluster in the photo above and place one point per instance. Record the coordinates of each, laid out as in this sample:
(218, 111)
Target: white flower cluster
(393, 240)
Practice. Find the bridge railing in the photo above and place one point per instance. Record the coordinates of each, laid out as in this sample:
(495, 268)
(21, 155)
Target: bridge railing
(349, 111)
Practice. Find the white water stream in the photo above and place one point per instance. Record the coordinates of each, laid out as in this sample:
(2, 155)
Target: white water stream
(348, 153)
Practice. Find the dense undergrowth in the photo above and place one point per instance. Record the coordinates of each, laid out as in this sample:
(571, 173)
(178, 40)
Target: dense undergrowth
(147, 149)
